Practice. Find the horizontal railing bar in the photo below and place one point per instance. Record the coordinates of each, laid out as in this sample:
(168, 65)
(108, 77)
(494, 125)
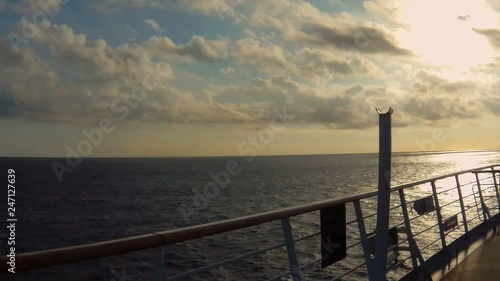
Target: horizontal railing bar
(418, 216)
(487, 187)
(474, 182)
(278, 277)
(418, 233)
(300, 267)
(458, 227)
(307, 236)
(307, 264)
(449, 203)
(45, 258)
(231, 260)
(369, 216)
(489, 171)
(350, 222)
(443, 191)
(374, 214)
(475, 217)
(428, 245)
(224, 262)
(348, 272)
(470, 207)
(353, 245)
(467, 196)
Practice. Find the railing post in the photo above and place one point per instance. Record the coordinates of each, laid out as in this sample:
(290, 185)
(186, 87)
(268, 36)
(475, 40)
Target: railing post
(159, 264)
(384, 194)
(409, 234)
(462, 206)
(496, 187)
(483, 205)
(438, 214)
(415, 252)
(290, 249)
(364, 239)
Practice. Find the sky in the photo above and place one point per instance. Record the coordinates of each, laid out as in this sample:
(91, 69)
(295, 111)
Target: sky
(156, 78)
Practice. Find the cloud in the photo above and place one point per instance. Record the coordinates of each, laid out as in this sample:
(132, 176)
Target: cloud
(303, 23)
(131, 30)
(196, 49)
(338, 4)
(333, 106)
(153, 25)
(386, 12)
(493, 36)
(356, 38)
(103, 74)
(430, 83)
(228, 72)
(306, 62)
(295, 55)
(29, 8)
(494, 4)
(220, 8)
(112, 6)
(434, 98)
(66, 44)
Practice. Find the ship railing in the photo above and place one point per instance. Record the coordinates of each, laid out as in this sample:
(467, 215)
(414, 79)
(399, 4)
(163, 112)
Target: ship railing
(470, 197)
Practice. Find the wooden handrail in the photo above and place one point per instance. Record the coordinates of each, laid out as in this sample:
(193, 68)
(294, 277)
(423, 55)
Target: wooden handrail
(59, 256)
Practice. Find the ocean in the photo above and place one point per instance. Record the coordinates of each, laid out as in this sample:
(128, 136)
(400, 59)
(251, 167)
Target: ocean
(102, 199)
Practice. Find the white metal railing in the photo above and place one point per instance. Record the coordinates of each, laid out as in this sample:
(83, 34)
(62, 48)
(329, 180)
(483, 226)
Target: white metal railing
(470, 195)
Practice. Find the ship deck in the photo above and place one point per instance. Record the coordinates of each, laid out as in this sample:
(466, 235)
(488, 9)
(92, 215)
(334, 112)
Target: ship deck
(482, 264)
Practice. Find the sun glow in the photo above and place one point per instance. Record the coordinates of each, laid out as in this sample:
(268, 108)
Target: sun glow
(442, 32)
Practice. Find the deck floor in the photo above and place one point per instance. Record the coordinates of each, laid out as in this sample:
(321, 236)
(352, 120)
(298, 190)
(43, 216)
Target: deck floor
(482, 264)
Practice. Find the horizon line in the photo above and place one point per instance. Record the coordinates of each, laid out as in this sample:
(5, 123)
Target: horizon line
(270, 155)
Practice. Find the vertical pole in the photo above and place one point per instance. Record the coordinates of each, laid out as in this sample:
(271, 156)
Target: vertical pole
(159, 264)
(462, 206)
(364, 239)
(290, 249)
(438, 214)
(384, 194)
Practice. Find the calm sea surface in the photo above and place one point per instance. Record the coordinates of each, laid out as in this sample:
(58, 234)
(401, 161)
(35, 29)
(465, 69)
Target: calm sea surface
(104, 199)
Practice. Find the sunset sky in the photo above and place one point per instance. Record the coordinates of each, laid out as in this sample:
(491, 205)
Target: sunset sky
(212, 74)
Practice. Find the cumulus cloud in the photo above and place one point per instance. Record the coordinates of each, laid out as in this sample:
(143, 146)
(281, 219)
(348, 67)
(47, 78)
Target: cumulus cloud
(434, 98)
(305, 62)
(430, 83)
(357, 38)
(82, 78)
(335, 106)
(297, 21)
(66, 44)
(303, 23)
(77, 79)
